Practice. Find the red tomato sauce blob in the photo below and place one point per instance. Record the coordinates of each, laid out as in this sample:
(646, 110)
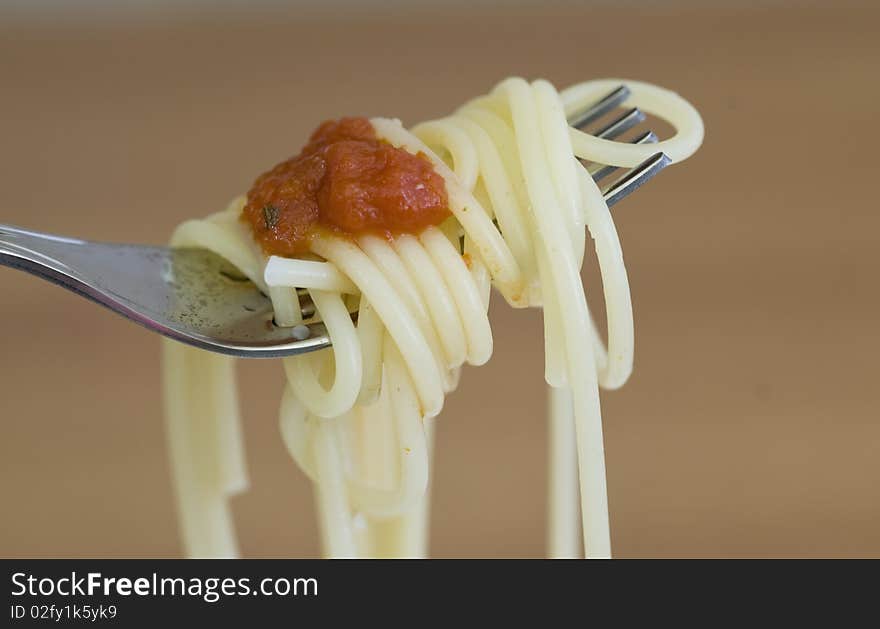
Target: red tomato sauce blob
(348, 181)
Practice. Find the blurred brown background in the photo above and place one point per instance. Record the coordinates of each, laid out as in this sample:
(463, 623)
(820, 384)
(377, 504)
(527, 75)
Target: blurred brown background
(750, 426)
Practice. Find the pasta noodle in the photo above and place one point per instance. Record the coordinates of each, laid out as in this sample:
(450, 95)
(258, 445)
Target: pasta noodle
(358, 418)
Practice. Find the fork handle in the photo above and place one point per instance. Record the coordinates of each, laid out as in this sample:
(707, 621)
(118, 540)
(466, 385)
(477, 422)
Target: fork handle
(37, 253)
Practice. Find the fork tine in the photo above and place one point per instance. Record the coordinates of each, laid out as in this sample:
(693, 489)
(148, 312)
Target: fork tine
(635, 178)
(611, 101)
(621, 125)
(648, 137)
(600, 171)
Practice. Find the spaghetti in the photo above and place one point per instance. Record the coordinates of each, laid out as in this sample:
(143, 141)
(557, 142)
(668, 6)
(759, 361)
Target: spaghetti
(358, 418)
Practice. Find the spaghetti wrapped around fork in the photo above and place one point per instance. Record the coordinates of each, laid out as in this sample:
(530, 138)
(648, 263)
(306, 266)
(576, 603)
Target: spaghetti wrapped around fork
(411, 229)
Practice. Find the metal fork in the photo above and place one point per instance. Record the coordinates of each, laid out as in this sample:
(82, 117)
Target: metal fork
(195, 296)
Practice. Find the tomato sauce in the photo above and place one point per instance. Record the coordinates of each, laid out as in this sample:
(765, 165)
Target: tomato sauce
(348, 181)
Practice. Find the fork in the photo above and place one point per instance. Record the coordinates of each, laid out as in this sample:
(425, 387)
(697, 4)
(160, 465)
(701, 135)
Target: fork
(195, 296)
